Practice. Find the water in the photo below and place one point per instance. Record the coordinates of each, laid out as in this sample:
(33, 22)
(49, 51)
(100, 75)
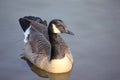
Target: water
(95, 46)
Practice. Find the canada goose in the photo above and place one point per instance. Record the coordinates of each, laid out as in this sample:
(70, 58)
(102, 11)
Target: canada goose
(44, 47)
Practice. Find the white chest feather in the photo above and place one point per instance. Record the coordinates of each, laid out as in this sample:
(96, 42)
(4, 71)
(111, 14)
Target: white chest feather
(60, 65)
(26, 33)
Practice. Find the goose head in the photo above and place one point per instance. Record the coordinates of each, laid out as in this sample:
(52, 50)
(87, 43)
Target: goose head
(57, 26)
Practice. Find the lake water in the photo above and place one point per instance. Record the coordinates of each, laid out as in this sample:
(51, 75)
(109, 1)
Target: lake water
(95, 46)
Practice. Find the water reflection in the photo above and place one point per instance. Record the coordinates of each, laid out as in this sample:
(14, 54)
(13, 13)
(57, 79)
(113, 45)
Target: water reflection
(44, 74)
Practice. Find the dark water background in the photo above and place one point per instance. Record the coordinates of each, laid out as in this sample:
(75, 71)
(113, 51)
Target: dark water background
(95, 46)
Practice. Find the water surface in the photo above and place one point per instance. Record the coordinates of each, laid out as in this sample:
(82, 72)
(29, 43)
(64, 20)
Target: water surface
(95, 46)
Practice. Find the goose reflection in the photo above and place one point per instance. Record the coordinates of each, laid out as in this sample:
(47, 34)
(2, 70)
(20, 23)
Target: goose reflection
(44, 74)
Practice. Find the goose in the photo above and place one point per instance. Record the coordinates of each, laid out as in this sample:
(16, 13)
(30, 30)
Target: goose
(44, 46)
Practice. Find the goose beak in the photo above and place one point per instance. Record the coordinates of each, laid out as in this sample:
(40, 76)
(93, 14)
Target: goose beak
(69, 32)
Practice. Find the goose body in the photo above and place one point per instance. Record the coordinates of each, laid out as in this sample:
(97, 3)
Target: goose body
(44, 47)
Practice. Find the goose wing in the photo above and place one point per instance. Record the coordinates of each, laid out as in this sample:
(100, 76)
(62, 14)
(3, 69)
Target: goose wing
(40, 28)
(37, 19)
(39, 43)
(36, 23)
(38, 37)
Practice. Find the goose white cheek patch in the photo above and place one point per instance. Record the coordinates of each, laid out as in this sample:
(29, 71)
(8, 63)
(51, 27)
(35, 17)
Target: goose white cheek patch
(55, 29)
(26, 33)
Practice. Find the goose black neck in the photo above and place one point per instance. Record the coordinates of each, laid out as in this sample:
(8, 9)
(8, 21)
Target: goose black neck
(55, 40)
